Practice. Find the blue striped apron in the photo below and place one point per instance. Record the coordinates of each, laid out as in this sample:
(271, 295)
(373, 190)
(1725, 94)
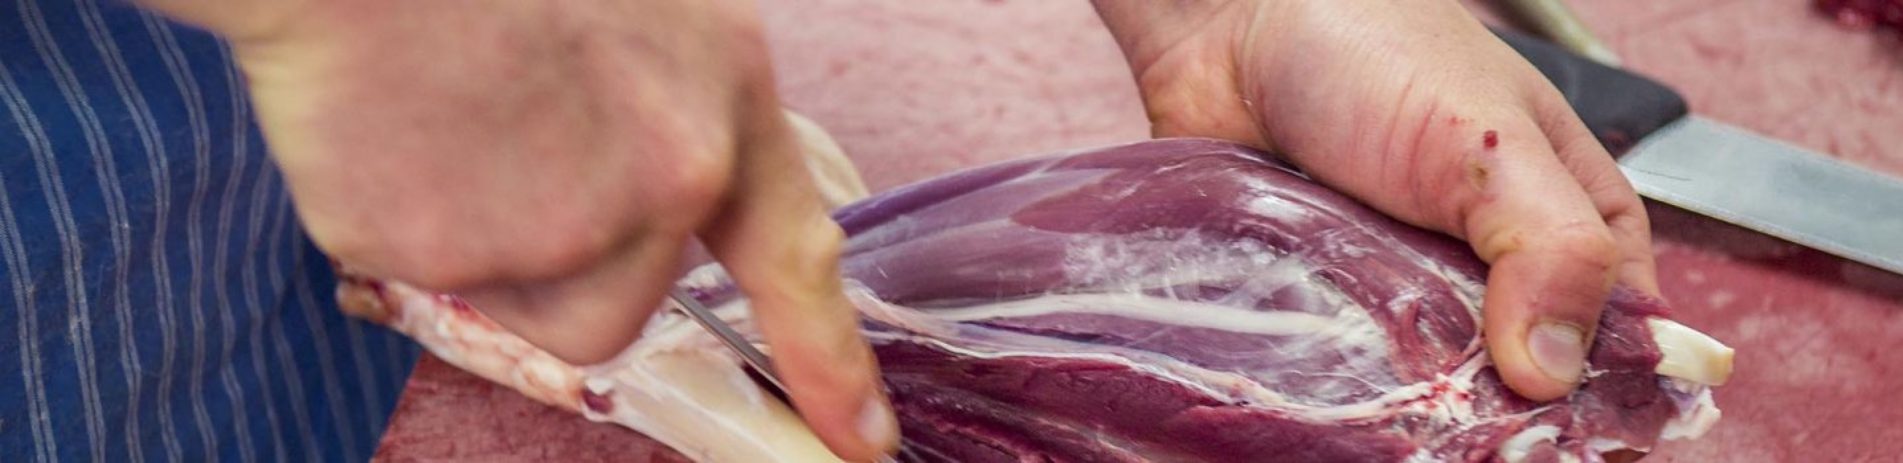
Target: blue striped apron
(157, 296)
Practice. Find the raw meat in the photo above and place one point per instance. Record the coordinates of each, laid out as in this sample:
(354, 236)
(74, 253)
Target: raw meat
(1173, 300)
(1864, 13)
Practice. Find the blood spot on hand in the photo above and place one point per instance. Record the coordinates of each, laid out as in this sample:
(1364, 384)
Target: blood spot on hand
(1490, 139)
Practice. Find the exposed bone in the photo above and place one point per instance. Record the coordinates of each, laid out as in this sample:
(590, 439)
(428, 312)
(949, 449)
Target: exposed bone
(1688, 354)
(1695, 416)
(698, 401)
(833, 173)
(677, 385)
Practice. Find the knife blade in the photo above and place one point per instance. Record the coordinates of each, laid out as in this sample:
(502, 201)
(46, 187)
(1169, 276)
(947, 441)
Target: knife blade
(752, 357)
(749, 355)
(1677, 157)
(1771, 187)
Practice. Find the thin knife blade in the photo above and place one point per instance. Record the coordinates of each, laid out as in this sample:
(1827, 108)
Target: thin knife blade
(1765, 185)
(734, 341)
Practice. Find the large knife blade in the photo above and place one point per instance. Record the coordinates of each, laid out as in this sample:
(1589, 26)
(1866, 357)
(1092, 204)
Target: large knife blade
(1724, 172)
(1780, 190)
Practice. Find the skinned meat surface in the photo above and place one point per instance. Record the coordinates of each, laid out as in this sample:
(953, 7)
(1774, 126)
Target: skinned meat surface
(1171, 300)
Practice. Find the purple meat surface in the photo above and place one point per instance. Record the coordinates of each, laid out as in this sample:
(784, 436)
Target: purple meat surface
(1196, 300)
(1177, 300)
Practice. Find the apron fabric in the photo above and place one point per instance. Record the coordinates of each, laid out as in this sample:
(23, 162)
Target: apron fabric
(157, 296)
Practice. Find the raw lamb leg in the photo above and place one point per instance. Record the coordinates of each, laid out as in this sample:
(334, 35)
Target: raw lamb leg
(1171, 301)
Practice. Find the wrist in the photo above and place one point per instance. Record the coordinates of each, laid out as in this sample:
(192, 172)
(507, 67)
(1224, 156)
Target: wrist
(1188, 58)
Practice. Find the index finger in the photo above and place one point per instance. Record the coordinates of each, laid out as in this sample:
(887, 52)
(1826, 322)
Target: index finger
(782, 250)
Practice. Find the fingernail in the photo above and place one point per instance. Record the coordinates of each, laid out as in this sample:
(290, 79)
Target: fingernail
(1559, 349)
(876, 424)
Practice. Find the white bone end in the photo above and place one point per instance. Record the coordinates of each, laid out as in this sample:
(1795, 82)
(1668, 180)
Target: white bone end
(1690, 355)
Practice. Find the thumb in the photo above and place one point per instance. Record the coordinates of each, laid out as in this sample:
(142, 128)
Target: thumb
(783, 251)
(1553, 260)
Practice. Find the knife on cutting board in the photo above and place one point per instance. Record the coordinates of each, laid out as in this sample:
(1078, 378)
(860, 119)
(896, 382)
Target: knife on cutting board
(1676, 157)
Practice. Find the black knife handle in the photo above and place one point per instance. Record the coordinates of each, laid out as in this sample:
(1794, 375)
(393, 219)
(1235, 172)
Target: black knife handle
(1620, 107)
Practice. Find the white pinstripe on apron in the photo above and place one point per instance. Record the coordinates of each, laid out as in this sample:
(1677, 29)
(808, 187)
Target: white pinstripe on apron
(160, 301)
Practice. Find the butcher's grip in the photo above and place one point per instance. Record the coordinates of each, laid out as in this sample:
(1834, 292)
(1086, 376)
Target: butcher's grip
(1620, 107)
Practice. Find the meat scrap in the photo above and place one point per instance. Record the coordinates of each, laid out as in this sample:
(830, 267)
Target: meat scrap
(1178, 300)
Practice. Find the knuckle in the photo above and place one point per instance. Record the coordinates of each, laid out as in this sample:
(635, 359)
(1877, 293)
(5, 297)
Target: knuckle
(1633, 220)
(348, 248)
(419, 249)
(390, 249)
(699, 181)
(806, 264)
(820, 249)
(561, 257)
(565, 244)
(746, 36)
(1584, 244)
(746, 29)
(433, 253)
(438, 266)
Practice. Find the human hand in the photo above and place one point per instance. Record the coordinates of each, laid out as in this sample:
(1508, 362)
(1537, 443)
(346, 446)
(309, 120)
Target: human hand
(1416, 109)
(550, 161)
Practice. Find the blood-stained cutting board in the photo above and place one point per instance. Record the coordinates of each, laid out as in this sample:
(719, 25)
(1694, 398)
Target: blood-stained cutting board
(914, 89)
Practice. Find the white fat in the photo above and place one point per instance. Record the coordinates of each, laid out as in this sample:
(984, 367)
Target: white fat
(1596, 446)
(1695, 416)
(1128, 263)
(1516, 448)
(1449, 405)
(1283, 209)
(979, 342)
(1688, 354)
(1121, 276)
(1156, 309)
(705, 276)
(1216, 384)
(1211, 383)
